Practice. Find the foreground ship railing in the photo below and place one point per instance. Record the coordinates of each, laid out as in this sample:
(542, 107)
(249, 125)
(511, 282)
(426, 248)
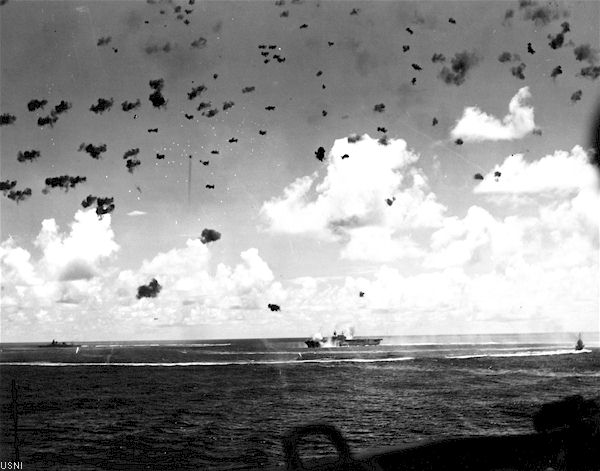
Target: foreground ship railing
(567, 438)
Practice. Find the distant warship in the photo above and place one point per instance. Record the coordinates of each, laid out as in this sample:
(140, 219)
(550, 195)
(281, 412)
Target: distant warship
(340, 340)
(579, 345)
(55, 344)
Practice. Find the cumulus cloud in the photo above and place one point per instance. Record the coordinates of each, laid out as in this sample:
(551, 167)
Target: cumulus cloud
(475, 125)
(89, 242)
(352, 195)
(71, 268)
(560, 171)
(76, 269)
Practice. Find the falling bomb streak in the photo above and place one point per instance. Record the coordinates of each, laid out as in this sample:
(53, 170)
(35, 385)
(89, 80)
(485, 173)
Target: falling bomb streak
(189, 180)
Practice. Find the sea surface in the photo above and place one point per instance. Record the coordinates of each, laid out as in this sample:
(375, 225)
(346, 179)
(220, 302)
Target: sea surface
(226, 404)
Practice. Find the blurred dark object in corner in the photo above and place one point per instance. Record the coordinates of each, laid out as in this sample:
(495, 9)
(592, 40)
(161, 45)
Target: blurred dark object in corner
(579, 420)
(567, 438)
(595, 139)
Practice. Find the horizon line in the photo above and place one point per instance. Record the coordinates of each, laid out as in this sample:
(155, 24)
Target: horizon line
(596, 332)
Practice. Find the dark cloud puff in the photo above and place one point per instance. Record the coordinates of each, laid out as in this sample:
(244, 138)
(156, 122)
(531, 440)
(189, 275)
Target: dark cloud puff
(196, 91)
(103, 41)
(379, 108)
(62, 107)
(508, 16)
(94, 151)
(576, 96)
(7, 185)
(592, 72)
(199, 43)
(47, 120)
(157, 84)
(131, 105)
(103, 205)
(150, 290)
(478, 176)
(102, 105)
(248, 89)
(19, 195)
(558, 40)
(154, 48)
(518, 71)
(354, 138)
(542, 14)
(28, 155)
(274, 307)
(204, 105)
(36, 104)
(585, 52)
(131, 164)
(556, 71)
(438, 57)
(88, 201)
(320, 154)
(156, 97)
(131, 152)
(461, 63)
(209, 235)
(7, 118)
(505, 57)
(210, 113)
(227, 105)
(63, 181)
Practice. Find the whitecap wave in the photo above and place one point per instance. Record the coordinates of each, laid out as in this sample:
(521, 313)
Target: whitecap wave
(528, 353)
(135, 345)
(208, 363)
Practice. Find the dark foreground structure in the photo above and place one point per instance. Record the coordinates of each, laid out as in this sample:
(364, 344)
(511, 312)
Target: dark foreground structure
(566, 438)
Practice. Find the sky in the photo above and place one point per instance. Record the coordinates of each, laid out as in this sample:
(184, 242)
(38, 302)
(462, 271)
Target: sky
(432, 156)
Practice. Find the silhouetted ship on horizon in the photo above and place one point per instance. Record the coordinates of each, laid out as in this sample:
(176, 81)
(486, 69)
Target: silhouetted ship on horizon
(55, 344)
(579, 345)
(341, 341)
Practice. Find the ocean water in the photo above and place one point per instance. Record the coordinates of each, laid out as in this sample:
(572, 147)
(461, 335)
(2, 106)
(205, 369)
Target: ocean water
(226, 404)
